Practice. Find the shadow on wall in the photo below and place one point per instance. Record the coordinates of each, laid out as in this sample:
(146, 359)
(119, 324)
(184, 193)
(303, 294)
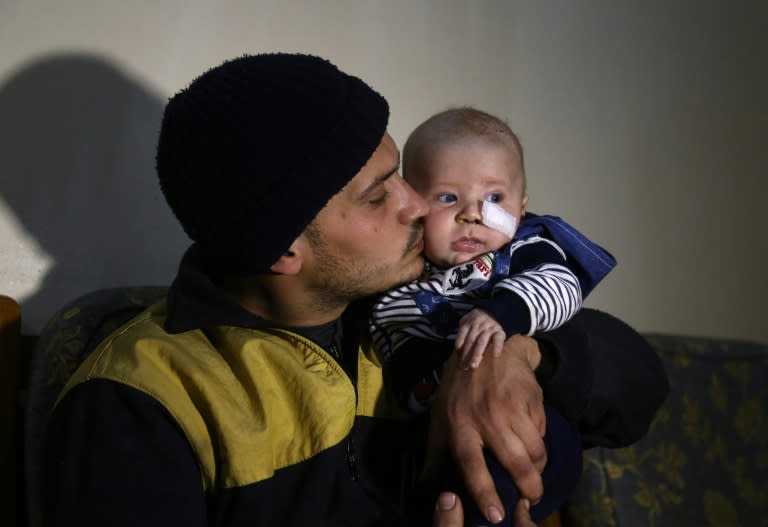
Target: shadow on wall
(77, 146)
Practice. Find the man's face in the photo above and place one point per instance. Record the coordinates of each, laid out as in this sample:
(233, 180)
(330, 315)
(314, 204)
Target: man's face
(368, 238)
(455, 179)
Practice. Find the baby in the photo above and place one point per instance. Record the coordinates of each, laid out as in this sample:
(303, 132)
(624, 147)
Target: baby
(493, 270)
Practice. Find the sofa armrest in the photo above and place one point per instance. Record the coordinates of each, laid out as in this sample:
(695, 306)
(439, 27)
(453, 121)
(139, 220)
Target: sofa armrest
(10, 345)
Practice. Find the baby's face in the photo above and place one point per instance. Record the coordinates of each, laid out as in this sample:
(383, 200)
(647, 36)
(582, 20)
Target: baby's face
(455, 180)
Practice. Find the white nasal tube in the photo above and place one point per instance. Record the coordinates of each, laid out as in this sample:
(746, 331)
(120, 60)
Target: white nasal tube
(495, 217)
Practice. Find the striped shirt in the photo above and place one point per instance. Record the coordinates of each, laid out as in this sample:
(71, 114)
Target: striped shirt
(526, 285)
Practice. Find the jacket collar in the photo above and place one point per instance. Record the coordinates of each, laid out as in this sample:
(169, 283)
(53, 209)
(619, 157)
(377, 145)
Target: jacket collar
(196, 302)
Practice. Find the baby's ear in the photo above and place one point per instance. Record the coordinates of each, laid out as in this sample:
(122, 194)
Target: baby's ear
(525, 204)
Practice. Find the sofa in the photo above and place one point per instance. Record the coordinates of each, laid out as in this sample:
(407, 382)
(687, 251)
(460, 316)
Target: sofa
(704, 460)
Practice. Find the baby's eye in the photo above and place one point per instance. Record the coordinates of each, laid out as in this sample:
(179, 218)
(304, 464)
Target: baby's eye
(493, 198)
(446, 198)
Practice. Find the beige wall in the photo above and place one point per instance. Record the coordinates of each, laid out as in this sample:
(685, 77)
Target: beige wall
(642, 124)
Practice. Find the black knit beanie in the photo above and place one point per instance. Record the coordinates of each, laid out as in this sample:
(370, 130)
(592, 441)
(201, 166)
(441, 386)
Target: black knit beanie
(253, 149)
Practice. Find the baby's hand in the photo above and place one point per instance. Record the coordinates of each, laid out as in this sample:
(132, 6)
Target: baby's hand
(478, 330)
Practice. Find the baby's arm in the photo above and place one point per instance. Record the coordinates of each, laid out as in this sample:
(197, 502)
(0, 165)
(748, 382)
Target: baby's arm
(541, 292)
(477, 331)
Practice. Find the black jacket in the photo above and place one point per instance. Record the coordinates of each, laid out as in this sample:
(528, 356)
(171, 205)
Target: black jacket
(116, 455)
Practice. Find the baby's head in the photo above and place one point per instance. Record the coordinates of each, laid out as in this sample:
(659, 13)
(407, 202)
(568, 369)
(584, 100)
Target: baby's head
(456, 160)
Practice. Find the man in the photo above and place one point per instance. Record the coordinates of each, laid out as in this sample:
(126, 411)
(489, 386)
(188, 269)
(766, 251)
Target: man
(251, 396)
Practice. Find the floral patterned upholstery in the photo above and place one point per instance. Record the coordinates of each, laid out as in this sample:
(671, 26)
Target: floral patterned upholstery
(704, 460)
(68, 337)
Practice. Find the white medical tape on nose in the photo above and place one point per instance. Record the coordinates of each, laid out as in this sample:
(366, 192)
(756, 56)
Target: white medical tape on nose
(495, 217)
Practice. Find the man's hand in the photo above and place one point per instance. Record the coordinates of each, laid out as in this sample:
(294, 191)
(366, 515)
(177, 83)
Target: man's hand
(449, 513)
(478, 332)
(498, 406)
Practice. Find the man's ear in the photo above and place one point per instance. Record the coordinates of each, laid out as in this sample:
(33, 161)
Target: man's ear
(525, 204)
(290, 262)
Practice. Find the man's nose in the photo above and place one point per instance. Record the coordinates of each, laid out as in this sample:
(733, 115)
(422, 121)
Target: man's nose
(471, 212)
(415, 206)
